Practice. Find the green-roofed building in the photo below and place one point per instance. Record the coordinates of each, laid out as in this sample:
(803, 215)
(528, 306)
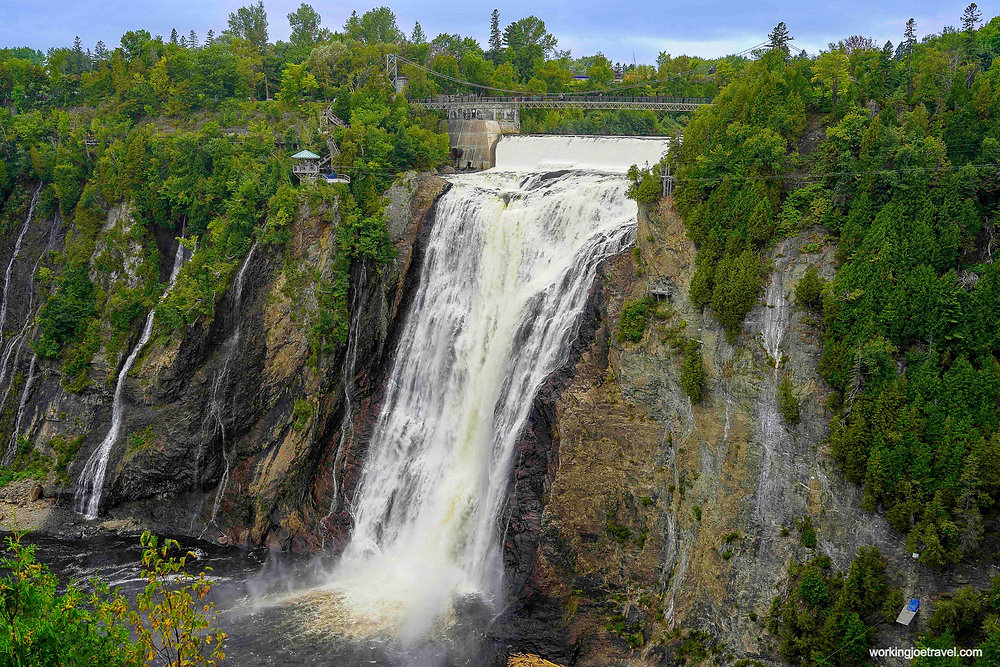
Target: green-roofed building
(306, 165)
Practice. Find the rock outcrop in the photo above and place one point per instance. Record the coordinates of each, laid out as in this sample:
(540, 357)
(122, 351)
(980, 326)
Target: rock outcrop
(662, 522)
(257, 468)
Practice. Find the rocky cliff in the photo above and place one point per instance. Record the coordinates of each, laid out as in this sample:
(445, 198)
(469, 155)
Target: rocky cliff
(659, 528)
(231, 429)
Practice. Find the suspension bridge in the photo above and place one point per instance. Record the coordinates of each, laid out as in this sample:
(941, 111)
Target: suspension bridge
(475, 122)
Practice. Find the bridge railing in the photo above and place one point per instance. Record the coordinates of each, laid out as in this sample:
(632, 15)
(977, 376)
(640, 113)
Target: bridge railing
(568, 99)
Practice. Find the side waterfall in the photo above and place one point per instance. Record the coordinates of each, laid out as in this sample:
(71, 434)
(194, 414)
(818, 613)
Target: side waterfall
(13, 257)
(510, 262)
(91, 484)
(217, 406)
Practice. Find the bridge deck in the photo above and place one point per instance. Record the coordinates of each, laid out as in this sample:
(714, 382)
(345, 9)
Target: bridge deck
(450, 102)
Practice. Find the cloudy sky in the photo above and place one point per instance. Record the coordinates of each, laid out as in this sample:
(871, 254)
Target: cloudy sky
(619, 30)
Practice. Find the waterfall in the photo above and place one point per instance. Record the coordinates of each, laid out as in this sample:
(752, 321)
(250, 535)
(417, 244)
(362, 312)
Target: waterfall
(17, 251)
(91, 484)
(509, 265)
(222, 379)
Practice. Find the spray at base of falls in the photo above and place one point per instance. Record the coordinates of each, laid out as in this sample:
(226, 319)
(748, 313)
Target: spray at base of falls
(91, 484)
(216, 409)
(506, 275)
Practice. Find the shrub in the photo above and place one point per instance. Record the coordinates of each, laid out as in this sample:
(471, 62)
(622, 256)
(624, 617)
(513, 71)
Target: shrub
(693, 371)
(787, 403)
(40, 626)
(807, 532)
(809, 289)
(65, 314)
(171, 618)
(812, 587)
(634, 319)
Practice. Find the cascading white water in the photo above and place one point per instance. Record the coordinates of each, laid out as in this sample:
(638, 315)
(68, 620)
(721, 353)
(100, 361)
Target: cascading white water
(91, 484)
(217, 406)
(17, 251)
(508, 269)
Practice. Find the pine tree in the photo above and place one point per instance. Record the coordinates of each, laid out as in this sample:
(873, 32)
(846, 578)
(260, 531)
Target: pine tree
(209, 38)
(173, 35)
(192, 39)
(100, 51)
(971, 17)
(77, 62)
(496, 41)
(417, 36)
(779, 38)
(910, 33)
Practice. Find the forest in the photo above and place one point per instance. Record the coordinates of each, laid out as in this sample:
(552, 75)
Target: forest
(194, 133)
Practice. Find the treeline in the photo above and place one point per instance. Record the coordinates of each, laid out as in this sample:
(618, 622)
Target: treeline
(176, 75)
(906, 179)
(169, 131)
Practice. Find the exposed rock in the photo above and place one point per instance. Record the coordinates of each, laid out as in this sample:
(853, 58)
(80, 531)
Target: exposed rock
(167, 465)
(661, 515)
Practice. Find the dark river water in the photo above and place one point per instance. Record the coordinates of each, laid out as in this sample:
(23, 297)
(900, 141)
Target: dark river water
(257, 594)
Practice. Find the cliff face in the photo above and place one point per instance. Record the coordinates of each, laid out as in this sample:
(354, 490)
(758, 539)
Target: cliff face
(229, 430)
(666, 524)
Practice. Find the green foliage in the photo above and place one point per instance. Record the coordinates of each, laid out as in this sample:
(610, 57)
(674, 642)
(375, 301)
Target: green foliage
(824, 613)
(809, 289)
(788, 404)
(634, 319)
(693, 371)
(807, 532)
(64, 315)
(730, 167)
(39, 625)
(141, 440)
(172, 620)
(28, 463)
(302, 411)
(65, 450)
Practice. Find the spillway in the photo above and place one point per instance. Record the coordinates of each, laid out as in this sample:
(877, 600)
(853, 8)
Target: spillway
(509, 265)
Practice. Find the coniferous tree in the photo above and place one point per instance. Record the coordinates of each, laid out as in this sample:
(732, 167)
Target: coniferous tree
(417, 36)
(183, 42)
(779, 38)
(910, 33)
(971, 17)
(192, 39)
(100, 51)
(173, 35)
(209, 37)
(77, 59)
(496, 40)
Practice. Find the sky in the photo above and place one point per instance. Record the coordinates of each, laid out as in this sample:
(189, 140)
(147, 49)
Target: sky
(622, 31)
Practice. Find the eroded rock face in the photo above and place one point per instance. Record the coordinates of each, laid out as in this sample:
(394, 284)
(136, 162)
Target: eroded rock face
(661, 514)
(271, 417)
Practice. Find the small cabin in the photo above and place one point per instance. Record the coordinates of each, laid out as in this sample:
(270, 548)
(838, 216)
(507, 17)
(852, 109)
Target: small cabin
(908, 612)
(306, 165)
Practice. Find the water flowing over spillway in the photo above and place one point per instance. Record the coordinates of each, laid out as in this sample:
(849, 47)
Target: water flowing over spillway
(91, 484)
(507, 272)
